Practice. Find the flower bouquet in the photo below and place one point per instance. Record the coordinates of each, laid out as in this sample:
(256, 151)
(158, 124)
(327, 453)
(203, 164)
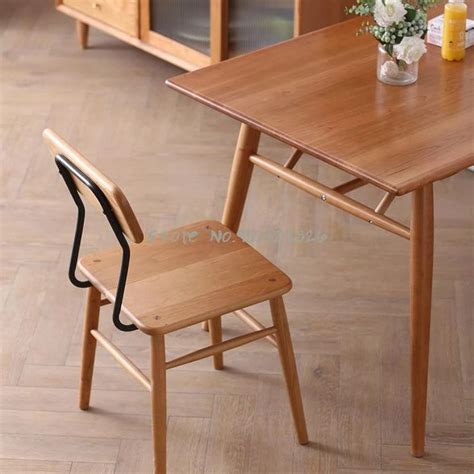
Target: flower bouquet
(400, 28)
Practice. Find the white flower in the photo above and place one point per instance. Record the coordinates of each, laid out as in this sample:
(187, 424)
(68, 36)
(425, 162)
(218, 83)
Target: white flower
(410, 50)
(387, 12)
(390, 69)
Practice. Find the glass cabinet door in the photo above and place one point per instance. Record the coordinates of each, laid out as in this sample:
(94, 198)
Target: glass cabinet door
(254, 24)
(185, 21)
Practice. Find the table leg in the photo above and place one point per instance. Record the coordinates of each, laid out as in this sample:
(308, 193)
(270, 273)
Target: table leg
(421, 279)
(240, 176)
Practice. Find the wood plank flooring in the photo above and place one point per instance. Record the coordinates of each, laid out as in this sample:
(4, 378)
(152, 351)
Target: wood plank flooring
(348, 311)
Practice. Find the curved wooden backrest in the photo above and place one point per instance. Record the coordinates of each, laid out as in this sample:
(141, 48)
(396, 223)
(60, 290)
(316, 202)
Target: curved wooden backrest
(121, 207)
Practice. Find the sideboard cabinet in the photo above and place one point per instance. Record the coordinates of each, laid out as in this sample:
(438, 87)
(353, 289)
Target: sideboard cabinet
(196, 33)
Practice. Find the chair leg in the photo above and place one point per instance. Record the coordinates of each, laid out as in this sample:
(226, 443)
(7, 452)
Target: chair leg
(215, 326)
(287, 358)
(89, 343)
(158, 402)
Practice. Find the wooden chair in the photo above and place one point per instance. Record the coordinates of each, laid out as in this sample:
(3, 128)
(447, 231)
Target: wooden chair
(197, 273)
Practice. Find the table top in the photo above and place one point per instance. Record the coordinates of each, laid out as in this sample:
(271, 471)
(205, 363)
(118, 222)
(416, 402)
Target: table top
(319, 93)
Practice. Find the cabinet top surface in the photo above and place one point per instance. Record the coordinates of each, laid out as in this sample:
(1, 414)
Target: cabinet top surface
(320, 93)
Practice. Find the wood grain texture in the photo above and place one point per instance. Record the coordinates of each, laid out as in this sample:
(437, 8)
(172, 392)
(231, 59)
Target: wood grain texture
(288, 363)
(349, 186)
(184, 54)
(326, 101)
(165, 50)
(129, 20)
(421, 284)
(18, 465)
(144, 18)
(230, 434)
(348, 311)
(82, 30)
(115, 196)
(312, 15)
(293, 159)
(219, 28)
(330, 196)
(89, 344)
(122, 359)
(359, 426)
(186, 276)
(158, 402)
(465, 316)
(92, 468)
(121, 14)
(215, 328)
(221, 347)
(240, 176)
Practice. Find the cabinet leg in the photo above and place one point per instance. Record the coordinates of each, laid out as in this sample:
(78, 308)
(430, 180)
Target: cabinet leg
(421, 278)
(82, 33)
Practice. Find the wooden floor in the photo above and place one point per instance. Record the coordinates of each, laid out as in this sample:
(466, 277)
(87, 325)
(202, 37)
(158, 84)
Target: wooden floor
(348, 310)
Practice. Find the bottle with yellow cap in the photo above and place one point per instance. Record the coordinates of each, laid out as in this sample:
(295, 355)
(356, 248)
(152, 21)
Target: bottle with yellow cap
(454, 31)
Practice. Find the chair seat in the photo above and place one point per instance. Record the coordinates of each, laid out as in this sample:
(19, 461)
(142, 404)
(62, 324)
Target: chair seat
(186, 276)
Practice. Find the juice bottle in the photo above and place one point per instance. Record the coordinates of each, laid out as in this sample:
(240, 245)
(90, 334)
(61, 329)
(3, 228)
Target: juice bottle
(454, 31)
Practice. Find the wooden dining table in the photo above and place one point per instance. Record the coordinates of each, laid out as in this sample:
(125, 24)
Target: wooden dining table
(319, 94)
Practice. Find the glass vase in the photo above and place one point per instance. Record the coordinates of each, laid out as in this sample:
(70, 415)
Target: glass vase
(393, 72)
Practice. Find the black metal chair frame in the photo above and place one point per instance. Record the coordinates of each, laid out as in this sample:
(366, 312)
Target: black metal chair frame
(67, 171)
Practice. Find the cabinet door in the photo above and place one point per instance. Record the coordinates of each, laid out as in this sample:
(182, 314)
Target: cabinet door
(185, 21)
(254, 24)
(179, 29)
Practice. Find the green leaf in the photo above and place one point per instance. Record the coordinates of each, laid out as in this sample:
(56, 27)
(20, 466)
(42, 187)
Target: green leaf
(410, 15)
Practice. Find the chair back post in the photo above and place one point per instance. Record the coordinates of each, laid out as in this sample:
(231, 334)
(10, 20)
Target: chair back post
(67, 170)
(81, 212)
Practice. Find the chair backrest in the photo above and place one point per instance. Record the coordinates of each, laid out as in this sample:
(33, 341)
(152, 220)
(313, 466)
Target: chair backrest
(119, 203)
(83, 178)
